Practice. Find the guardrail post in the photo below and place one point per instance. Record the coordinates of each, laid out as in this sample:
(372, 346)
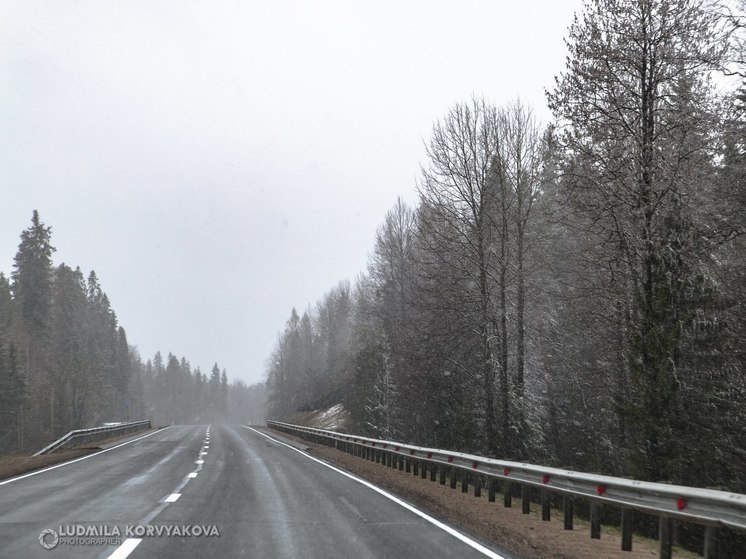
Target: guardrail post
(442, 471)
(545, 510)
(568, 503)
(401, 461)
(415, 467)
(525, 499)
(453, 478)
(408, 465)
(595, 521)
(710, 550)
(477, 486)
(665, 534)
(464, 481)
(626, 529)
(492, 490)
(508, 495)
(424, 469)
(433, 472)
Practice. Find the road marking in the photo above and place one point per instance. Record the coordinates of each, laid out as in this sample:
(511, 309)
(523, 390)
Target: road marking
(455, 533)
(81, 458)
(125, 549)
(199, 461)
(192, 475)
(172, 498)
(354, 510)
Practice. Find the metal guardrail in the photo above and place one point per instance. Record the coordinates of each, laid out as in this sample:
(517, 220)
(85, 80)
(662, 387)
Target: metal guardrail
(82, 436)
(706, 507)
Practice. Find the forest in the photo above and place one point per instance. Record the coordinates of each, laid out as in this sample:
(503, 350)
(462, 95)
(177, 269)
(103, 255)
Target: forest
(569, 293)
(65, 362)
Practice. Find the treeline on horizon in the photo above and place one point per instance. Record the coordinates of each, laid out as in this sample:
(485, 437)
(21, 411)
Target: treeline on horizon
(65, 362)
(571, 294)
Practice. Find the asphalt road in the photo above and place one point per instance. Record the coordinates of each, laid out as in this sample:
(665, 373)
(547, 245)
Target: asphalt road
(220, 491)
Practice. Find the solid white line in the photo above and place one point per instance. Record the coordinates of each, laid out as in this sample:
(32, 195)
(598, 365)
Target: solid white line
(81, 458)
(455, 533)
(125, 549)
(172, 498)
(192, 475)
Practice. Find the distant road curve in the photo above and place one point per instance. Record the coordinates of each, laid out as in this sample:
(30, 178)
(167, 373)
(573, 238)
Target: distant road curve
(214, 491)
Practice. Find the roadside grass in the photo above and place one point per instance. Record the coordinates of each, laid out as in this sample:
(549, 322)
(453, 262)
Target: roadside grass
(12, 465)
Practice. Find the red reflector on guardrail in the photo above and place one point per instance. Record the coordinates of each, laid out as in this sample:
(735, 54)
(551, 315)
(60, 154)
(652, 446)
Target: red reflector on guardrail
(474, 465)
(450, 458)
(411, 452)
(429, 454)
(681, 504)
(506, 471)
(600, 490)
(545, 479)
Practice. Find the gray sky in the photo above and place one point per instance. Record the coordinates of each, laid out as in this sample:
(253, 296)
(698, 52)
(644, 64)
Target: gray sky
(219, 162)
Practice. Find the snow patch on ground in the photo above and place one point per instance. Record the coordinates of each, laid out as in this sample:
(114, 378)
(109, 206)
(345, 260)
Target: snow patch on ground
(335, 418)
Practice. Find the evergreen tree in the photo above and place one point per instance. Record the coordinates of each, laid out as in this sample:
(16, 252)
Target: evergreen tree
(70, 382)
(214, 384)
(32, 279)
(7, 308)
(636, 109)
(32, 287)
(12, 399)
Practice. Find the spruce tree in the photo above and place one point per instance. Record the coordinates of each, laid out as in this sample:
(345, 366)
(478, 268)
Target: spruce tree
(635, 113)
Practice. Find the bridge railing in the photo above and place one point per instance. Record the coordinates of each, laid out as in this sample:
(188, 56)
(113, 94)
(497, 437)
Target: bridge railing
(83, 436)
(707, 507)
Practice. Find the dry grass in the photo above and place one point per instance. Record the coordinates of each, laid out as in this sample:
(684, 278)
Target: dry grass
(16, 464)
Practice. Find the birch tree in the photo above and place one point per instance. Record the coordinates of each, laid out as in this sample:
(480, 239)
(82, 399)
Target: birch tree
(460, 189)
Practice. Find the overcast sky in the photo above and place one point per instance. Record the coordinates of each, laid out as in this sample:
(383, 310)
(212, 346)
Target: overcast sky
(219, 162)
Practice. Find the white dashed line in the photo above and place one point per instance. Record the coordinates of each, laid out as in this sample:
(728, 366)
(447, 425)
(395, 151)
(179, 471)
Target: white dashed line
(192, 475)
(125, 549)
(199, 461)
(172, 498)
